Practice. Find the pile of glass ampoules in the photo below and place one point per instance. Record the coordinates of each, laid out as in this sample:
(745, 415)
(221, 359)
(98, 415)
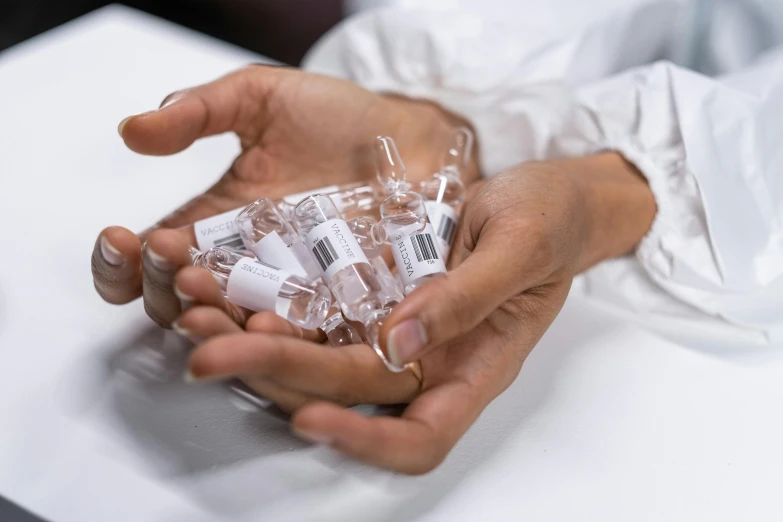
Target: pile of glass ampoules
(315, 258)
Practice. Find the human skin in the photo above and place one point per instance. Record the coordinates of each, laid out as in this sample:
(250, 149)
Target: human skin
(524, 234)
(296, 130)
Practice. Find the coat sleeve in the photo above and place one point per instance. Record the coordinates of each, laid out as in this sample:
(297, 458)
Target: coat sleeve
(710, 149)
(708, 146)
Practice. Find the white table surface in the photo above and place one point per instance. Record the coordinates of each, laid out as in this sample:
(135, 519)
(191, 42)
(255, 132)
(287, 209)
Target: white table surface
(605, 423)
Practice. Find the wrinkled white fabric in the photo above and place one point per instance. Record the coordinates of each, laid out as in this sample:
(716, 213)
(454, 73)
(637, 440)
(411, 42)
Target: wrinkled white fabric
(565, 78)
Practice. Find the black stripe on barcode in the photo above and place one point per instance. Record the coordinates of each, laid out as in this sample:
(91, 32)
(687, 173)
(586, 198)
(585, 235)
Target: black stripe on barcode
(232, 242)
(446, 229)
(325, 253)
(423, 247)
(266, 264)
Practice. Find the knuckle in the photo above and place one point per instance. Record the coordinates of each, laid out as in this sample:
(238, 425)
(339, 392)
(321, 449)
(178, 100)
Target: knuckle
(424, 465)
(454, 315)
(199, 317)
(159, 316)
(263, 322)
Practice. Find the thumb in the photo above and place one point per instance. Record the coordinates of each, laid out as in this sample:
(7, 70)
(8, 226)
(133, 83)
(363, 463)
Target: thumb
(234, 102)
(454, 303)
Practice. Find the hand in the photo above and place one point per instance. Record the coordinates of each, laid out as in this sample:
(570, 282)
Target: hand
(297, 131)
(522, 237)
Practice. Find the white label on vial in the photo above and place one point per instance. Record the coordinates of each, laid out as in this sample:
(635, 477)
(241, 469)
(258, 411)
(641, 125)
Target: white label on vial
(254, 284)
(417, 255)
(220, 230)
(273, 250)
(444, 220)
(333, 247)
(332, 191)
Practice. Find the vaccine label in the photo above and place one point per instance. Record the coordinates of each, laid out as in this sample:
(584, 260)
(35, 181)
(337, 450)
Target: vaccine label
(444, 220)
(332, 191)
(273, 250)
(220, 230)
(254, 284)
(417, 255)
(333, 247)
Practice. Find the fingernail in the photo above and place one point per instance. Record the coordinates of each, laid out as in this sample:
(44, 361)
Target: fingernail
(313, 436)
(184, 332)
(122, 125)
(189, 378)
(170, 100)
(158, 261)
(405, 340)
(110, 254)
(185, 300)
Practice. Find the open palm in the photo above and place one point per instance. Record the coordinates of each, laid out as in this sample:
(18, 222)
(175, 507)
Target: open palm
(297, 131)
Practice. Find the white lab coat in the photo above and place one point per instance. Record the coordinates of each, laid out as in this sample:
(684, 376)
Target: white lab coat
(691, 92)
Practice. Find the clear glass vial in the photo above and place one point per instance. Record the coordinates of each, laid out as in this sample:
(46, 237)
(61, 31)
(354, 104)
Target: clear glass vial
(348, 198)
(413, 243)
(366, 231)
(343, 264)
(257, 286)
(340, 333)
(273, 240)
(389, 168)
(444, 193)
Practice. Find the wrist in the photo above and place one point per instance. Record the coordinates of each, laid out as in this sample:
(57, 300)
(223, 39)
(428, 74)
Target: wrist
(619, 206)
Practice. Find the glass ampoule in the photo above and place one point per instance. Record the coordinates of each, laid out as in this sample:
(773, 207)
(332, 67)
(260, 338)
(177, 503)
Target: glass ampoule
(344, 266)
(444, 193)
(340, 333)
(349, 199)
(221, 230)
(257, 286)
(412, 240)
(365, 231)
(360, 197)
(273, 240)
(404, 222)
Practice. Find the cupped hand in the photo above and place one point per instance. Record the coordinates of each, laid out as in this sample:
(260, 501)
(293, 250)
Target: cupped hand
(524, 234)
(297, 131)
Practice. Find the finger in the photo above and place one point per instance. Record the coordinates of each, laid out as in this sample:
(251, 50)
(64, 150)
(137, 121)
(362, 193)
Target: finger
(349, 374)
(271, 323)
(415, 443)
(165, 252)
(196, 286)
(203, 322)
(286, 399)
(456, 302)
(116, 265)
(234, 102)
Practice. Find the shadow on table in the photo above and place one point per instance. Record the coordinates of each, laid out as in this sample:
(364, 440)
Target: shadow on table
(182, 429)
(234, 458)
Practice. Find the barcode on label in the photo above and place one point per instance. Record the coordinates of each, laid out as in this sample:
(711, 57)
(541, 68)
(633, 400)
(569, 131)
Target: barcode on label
(446, 229)
(325, 253)
(266, 264)
(424, 248)
(232, 242)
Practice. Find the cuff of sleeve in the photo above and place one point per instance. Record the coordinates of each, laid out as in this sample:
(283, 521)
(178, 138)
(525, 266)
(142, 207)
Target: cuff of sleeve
(651, 250)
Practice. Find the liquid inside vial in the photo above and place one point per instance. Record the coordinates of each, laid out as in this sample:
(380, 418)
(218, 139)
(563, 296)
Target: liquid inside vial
(257, 286)
(413, 241)
(343, 264)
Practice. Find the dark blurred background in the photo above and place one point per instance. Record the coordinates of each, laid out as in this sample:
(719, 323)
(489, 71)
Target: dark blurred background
(279, 29)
